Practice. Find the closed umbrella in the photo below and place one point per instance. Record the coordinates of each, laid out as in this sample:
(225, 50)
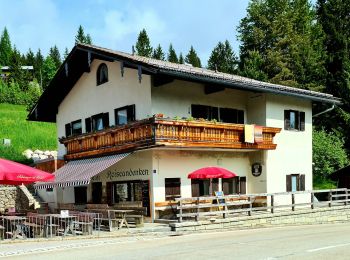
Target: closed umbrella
(12, 173)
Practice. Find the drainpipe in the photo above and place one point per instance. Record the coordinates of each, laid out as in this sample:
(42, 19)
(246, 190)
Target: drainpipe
(325, 111)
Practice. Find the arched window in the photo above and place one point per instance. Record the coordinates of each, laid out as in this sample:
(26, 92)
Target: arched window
(102, 74)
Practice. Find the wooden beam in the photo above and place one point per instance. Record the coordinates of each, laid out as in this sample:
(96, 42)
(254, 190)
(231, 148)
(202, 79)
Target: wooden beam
(209, 89)
(160, 80)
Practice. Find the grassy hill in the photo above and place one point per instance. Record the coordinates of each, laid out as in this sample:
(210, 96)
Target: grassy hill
(23, 134)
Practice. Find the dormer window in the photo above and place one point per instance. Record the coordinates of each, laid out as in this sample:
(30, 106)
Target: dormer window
(102, 74)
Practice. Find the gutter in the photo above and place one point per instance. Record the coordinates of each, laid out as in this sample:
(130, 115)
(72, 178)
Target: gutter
(325, 111)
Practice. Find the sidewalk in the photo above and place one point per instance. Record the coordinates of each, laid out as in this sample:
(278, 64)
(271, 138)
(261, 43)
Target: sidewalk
(150, 231)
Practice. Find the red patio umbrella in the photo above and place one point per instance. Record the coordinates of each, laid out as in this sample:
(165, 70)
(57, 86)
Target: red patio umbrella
(211, 173)
(13, 173)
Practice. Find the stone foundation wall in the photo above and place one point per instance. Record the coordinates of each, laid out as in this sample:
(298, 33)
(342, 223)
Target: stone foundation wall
(339, 214)
(13, 197)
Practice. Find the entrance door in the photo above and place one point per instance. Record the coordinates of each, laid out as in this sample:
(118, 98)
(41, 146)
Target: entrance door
(80, 195)
(97, 192)
(145, 197)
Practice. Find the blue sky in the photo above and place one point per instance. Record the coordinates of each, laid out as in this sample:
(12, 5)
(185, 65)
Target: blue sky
(115, 24)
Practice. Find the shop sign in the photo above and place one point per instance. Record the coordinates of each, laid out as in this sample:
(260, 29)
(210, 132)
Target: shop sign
(127, 173)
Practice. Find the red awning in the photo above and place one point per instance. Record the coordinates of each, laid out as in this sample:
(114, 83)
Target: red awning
(13, 173)
(211, 173)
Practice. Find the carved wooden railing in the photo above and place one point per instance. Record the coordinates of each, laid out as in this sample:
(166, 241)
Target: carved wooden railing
(154, 132)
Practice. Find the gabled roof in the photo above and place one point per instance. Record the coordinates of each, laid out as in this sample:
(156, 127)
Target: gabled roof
(81, 56)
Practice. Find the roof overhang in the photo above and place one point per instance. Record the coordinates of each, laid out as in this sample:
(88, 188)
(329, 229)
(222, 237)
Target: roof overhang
(82, 55)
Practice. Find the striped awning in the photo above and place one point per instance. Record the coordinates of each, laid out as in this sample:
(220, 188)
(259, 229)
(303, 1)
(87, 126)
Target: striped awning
(79, 172)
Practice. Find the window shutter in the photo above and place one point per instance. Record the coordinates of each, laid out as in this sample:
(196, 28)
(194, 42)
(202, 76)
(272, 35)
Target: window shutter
(289, 182)
(242, 185)
(286, 119)
(88, 125)
(131, 113)
(226, 186)
(237, 184)
(240, 117)
(302, 121)
(105, 120)
(195, 188)
(302, 182)
(68, 130)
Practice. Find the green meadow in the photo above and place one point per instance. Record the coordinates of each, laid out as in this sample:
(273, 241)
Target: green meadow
(23, 134)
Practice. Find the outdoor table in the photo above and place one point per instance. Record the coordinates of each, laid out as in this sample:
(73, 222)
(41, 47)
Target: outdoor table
(120, 214)
(14, 226)
(68, 220)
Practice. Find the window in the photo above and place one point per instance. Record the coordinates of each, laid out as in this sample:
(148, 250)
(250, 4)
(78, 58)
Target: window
(200, 187)
(295, 182)
(102, 74)
(226, 115)
(172, 188)
(294, 120)
(124, 115)
(80, 195)
(73, 128)
(97, 122)
(230, 115)
(236, 185)
(76, 127)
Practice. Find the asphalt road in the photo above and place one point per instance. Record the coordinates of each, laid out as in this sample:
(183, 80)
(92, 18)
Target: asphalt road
(294, 242)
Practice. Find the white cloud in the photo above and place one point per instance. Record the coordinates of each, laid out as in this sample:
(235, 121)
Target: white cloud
(123, 26)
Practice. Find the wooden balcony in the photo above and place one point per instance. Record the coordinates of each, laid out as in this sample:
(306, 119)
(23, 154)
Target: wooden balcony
(156, 132)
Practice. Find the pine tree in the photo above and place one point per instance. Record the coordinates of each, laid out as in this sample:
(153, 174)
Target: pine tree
(287, 38)
(334, 17)
(143, 45)
(223, 58)
(88, 39)
(48, 72)
(17, 74)
(5, 48)
(253, 67)
(181, 59)
(66, 53)
(81, 37)
(158, 53)
(54, 53)
(38, 66)
(192, 58)
(30, 58)
(172, 57)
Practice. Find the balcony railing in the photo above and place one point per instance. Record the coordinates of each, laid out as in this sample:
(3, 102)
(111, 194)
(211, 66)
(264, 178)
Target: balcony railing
(155, 132)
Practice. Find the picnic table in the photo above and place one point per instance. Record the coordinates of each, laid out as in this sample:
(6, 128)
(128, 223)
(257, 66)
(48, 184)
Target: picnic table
(118, 217)
(14, 226)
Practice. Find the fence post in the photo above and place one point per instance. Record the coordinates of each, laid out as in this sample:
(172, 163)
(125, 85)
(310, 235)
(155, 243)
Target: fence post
(293, 201)
(346, 197)
(250, 206)
(312, 200)
(180, 209)
(197, 216)
(330, 199)
(272, 202)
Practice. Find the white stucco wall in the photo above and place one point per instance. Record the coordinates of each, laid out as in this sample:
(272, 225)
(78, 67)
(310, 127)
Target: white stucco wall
(294, 148)
(86, 99)
(175, 98)
(179, 163)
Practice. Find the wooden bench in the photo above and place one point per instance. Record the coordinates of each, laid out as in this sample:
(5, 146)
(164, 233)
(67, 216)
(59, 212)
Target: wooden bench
(37, 224)
(136, 217)
(85, 221)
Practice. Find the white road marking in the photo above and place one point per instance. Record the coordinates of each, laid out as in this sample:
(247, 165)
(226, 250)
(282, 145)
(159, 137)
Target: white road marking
(327, 247)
